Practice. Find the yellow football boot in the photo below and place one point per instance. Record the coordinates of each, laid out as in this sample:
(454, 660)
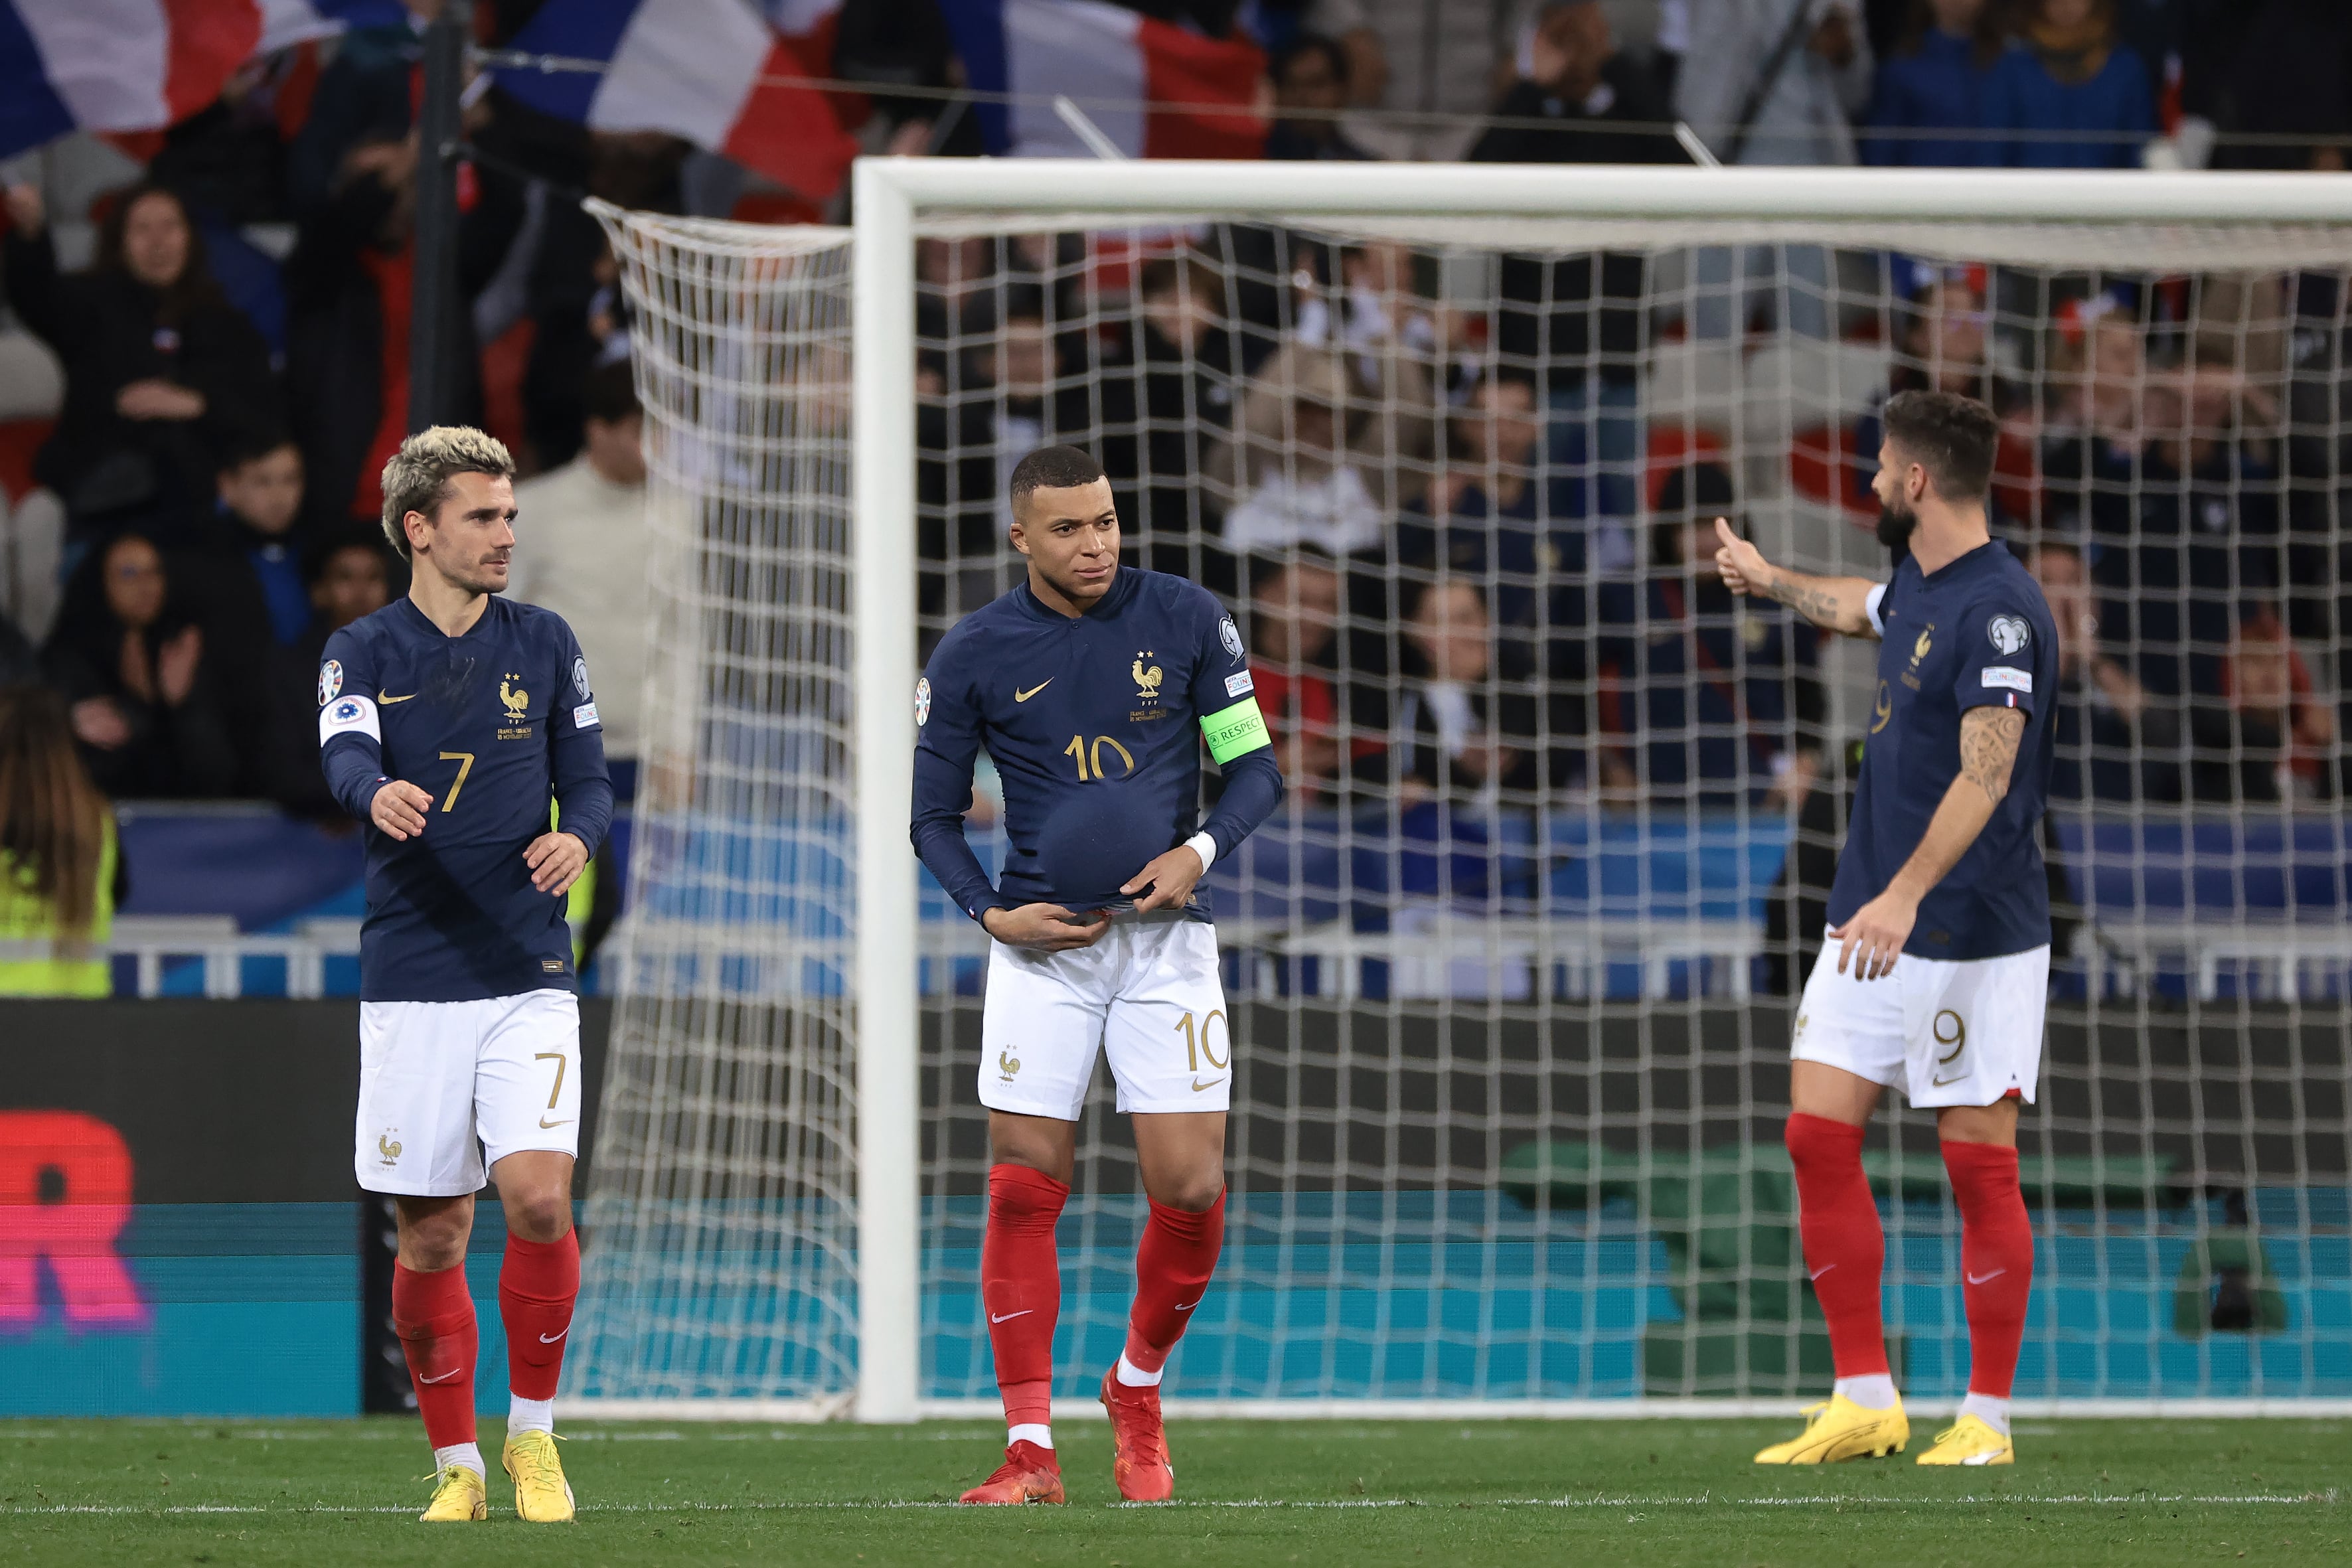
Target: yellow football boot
(542, 1494)
(458, 1497)
(1969, 1441)
(1841, 1429)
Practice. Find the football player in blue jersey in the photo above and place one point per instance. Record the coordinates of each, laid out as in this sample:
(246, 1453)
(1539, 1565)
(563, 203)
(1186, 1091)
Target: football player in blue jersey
(1086, 683)
(450, 723)
(1936, 963)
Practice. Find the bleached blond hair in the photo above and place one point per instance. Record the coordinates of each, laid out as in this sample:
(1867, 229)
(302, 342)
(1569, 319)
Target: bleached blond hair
(416, 478)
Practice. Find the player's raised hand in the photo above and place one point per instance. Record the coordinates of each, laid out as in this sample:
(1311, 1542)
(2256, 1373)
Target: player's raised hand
(556, 861)
(1873, 940)
(1742, 566)
(1170, 877)
(1045, 927)
(399, 809)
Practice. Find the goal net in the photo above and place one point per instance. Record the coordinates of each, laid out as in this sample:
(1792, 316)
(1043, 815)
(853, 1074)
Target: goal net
(1512, 974)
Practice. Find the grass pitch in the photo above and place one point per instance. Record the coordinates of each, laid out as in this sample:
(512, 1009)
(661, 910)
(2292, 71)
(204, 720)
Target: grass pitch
(1436, 1494)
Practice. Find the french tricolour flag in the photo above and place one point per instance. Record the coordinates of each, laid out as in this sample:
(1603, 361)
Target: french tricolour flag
(1129, 73)
(707, 70)
(141, 64)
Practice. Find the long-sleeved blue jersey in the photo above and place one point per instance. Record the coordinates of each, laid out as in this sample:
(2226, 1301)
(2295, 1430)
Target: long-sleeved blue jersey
(493, 725)
(1091, 722)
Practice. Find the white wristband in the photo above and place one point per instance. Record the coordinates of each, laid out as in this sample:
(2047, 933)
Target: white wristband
(1203, 845)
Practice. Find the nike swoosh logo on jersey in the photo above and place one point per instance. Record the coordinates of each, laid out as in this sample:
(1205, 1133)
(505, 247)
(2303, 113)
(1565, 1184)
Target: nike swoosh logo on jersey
(443, 1377)
(563, 1121)
(551, 1338)
(1019, 696)
(1981, 1278)
(385, 699)
(1008, 1317)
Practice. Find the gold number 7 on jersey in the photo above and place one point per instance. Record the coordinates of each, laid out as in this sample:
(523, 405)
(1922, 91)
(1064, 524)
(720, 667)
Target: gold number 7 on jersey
(465, 761)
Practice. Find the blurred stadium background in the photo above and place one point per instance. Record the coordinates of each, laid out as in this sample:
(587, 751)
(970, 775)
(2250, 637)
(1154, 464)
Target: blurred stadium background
(1512, 976)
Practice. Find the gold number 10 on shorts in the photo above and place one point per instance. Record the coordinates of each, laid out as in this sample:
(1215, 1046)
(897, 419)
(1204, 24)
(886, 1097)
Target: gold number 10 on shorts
(1197, 1047)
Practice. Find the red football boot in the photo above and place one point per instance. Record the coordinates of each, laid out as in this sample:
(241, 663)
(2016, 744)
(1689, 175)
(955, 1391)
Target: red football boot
(1141, 1467)
(1029, 1474)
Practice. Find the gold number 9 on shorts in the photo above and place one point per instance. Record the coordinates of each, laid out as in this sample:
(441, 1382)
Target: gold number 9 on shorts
(1196, 1048)
(1958, 1039)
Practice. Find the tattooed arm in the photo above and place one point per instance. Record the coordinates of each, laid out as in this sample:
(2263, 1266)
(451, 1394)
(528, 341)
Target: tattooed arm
(1988, 738)
(1838, 603)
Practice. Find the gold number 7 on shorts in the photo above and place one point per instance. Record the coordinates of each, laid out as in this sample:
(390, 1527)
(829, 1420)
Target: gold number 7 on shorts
(1197, 1046)
(557, 1057)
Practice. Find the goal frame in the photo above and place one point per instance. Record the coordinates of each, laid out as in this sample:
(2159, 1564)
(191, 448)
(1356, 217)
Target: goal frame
(896, 198)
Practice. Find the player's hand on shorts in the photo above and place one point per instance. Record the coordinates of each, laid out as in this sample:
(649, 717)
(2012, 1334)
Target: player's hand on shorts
(1742, 567)
(1045, 927)
(1170, 877)
(399, 809)
(556, 861)
(1873, 940)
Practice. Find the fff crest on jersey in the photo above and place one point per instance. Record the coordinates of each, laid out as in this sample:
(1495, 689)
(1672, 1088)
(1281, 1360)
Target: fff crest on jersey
(922, 701)
(1146, 678)
(517, 701)
(330, 681)
(2010, 633)
(1230, 635)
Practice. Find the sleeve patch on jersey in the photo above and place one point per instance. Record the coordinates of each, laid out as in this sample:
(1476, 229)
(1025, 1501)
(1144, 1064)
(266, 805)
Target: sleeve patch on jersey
(330, 681)
(922, 701)
(352, 715)
(584, 716)
(2014, 679)
(1230, 635)
(579, 676)
(1236, 732)
(2010, 633)
(1240, 684)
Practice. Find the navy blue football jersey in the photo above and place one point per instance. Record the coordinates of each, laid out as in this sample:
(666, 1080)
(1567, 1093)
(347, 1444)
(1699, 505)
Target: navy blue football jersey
(494, 725)
(1975, 633)
(1095, 723)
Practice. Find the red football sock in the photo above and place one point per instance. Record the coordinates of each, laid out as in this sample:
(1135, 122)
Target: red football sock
(434, 1316)
(1172, 1265)
(1996, 1260)
(1021, 1286)
(537, 1285)
(1846, 1250)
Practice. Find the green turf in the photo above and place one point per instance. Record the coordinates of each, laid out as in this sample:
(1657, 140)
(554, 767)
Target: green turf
(332, 1494)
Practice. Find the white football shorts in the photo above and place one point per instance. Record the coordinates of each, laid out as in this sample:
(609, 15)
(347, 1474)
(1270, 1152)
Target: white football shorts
(1147, 994)
(449, 1088)
(1944, 1031)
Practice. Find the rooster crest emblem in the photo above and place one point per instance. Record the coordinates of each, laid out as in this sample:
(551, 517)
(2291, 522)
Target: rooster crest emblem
(1919, 649)
(1147, 680)
(388, 1147)
(1007, 1064)
(516, 700)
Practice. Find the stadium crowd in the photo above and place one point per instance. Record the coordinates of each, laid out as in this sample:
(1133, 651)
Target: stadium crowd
(1472, 570)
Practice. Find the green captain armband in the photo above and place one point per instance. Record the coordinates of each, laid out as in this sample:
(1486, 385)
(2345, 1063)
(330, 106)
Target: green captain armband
(1236, 732)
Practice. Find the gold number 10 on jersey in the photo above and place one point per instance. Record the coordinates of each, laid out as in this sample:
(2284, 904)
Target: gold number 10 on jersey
(1197, 1047)
(1077, 748)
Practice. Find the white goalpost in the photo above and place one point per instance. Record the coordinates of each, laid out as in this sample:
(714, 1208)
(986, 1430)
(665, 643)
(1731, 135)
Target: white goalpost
(1505, 1130)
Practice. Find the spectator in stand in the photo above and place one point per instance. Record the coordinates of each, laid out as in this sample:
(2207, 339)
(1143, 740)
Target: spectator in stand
(1774, 81)
(1943, 342)
(348, 287)
(2267, 739)
(1311, 75)
(1934, 80)
(157, 363)
(247, 580)
(1458, 735)
(1380, 309)
(1173, 388)
(350, 575)
(60, 868)
(583, 539)
(1424, 56)
(1319, 458)
(1710, 704)
(2113, 743)
(1293, 624)
(2069, 93)
(132, 661)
